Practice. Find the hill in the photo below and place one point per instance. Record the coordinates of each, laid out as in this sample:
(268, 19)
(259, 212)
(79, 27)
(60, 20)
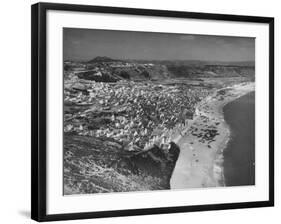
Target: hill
(102, 59)
(106, 69)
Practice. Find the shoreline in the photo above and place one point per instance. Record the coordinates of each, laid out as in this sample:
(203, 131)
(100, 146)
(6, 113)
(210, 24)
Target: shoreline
(239, 155)
(200, 163)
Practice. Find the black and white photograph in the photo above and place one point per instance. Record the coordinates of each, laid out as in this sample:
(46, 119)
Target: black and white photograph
(151, 111)
(142, 111)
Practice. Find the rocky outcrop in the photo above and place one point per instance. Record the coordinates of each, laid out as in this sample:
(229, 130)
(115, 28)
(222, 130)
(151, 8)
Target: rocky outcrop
(95, 165)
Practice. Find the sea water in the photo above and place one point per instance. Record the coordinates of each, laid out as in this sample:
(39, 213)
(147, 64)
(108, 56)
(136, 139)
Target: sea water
(239, 155)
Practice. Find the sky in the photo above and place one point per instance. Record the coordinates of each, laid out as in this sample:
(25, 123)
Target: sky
(86, 44)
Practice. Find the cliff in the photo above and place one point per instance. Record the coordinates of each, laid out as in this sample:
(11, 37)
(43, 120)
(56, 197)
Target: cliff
(95, 165)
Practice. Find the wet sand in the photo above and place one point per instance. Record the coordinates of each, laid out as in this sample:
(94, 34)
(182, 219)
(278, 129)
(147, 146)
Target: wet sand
(200, 163)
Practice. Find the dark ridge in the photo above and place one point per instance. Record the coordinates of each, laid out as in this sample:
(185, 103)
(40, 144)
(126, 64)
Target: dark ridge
(102, 59)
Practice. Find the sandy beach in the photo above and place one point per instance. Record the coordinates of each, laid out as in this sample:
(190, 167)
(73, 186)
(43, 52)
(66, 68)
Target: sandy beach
(203, 141)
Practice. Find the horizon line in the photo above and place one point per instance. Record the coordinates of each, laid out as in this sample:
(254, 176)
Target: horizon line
(141, 59)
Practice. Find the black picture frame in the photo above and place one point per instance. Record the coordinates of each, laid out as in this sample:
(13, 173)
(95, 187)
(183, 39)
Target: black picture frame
(38, 108)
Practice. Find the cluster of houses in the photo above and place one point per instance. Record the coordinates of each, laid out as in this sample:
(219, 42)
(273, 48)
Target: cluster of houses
(138, 115)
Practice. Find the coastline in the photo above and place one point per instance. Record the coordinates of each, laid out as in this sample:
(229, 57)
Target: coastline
(200, 163)
(239, 155)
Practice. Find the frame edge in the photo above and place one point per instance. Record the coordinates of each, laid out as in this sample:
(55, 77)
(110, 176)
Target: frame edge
(38, 111)
(271, 112)
(34, 113)
(154, 12)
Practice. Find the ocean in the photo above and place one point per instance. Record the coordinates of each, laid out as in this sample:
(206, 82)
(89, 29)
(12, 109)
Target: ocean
(239, 155)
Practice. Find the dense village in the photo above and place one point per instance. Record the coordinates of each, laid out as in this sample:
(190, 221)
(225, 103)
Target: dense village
(137, 114)
(121, 119)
